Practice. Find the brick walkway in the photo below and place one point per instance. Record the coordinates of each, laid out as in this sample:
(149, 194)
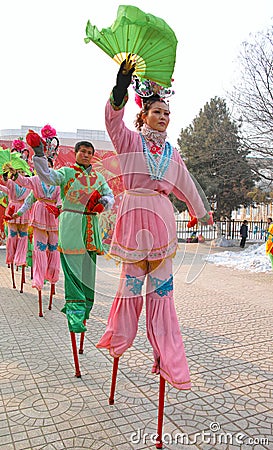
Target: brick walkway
(226, 320)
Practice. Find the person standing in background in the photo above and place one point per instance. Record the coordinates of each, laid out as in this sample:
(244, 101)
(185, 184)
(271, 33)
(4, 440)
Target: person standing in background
(243, 233)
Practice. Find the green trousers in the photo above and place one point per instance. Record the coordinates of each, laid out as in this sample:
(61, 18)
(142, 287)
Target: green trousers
(79, 285)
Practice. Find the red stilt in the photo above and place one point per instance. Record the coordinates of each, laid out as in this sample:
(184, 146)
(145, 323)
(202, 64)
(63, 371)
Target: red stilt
(40, 304)
(75, 355)
(114, 379)
(12, 276)
(52, 292)
(82, 340)
(23, 279)
(159, 443)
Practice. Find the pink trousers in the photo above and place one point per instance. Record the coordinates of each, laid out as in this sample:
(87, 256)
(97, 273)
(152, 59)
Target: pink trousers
(17, 241)
(46, 257)
(162, 326)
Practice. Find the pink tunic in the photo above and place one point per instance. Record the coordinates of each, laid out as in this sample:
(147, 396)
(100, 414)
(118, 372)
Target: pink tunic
(40, 216)
(16, 196)
(145, 225)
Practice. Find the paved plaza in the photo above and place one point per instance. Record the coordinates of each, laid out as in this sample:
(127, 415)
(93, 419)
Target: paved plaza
(226, 321)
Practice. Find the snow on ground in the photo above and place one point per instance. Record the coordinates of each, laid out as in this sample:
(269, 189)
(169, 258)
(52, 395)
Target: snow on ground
(253, 259)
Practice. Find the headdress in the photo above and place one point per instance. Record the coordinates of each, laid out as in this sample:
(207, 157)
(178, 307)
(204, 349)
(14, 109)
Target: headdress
(146, 90)
(18, 145)
(49, 141)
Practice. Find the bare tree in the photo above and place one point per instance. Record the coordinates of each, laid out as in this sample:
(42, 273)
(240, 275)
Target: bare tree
(252, 98)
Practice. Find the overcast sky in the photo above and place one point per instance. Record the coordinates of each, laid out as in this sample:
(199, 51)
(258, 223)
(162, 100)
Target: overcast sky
(49, 75)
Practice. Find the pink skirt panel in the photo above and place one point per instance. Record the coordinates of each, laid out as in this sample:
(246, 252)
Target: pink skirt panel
(145, 227)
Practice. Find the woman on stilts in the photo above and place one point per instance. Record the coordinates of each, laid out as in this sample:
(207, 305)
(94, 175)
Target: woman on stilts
(145, 238)
(46, 257)
(85, 193)
(17, 239)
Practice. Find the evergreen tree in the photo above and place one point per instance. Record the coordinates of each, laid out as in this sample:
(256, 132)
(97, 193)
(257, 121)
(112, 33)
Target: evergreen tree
(212, 152)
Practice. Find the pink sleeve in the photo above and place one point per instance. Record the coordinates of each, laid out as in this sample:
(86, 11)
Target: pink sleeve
(184, 188)
(4, 188)
(24, 181)
(123, 139)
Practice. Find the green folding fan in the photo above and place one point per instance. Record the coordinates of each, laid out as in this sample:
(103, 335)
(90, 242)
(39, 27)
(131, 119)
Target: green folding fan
(14, 159)
(149, 39)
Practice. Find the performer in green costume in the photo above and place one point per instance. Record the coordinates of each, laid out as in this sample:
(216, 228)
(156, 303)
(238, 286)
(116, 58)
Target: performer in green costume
(84, 193)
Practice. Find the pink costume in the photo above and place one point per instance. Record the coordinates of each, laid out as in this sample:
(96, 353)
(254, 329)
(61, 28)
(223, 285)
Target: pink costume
(17, 241)
(145, 240)
(46, 257)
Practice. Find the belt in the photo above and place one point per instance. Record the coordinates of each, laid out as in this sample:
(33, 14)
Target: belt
(143, 192)
(46, 200)
(80, 212)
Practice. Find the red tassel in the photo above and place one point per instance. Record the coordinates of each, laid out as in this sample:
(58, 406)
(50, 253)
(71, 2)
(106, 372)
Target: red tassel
(192, 222)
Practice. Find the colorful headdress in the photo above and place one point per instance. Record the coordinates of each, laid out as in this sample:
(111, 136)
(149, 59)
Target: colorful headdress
(18, 145)
(49, 141)
(146, 89)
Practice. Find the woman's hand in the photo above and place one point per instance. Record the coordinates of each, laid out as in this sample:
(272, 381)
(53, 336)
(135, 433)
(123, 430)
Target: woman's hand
(124, 78)
(207, 219)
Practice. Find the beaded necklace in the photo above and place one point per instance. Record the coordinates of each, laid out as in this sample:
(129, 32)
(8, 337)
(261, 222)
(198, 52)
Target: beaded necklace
(157, 166)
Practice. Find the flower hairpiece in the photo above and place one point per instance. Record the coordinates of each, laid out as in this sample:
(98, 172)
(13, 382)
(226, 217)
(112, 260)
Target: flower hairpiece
(51, 141)
(18, 144)
(48, 132)
(146, 88)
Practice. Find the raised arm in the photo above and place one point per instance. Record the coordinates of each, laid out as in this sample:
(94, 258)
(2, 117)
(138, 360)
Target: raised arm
(120, 135)
(49, 176)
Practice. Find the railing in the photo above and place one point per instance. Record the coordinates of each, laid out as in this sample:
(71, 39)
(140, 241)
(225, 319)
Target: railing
(230, 229)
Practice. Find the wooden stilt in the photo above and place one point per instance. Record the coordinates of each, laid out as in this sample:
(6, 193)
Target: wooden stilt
(75, 354)
(52, 292)
(31, 273)
(40, 304)
(82, 340)
(114, 379)
(161, 396)
(12, 276)
(23, 279)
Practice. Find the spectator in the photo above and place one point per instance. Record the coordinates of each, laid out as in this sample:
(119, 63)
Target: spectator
(243, 233)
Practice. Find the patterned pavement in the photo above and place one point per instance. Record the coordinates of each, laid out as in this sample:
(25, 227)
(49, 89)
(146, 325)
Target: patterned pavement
(226, 322)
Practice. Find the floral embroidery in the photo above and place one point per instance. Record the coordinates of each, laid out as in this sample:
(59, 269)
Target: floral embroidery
(162, 287)
(135, 283)
(52, 247)
(22, 233)
(41, 246)
(155, 150)
(68, 185)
